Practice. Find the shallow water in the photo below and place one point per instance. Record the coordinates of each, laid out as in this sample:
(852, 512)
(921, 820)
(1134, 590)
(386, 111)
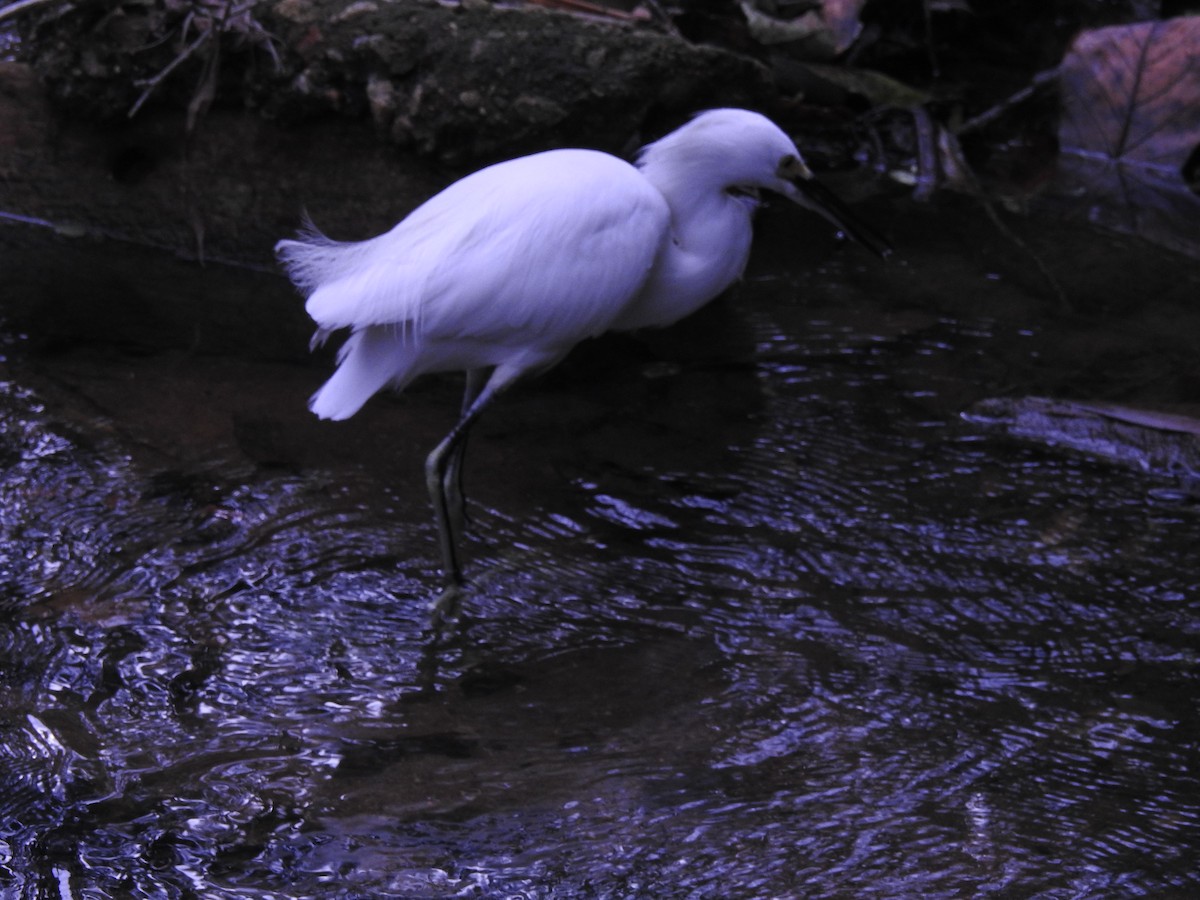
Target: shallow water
(755, 613)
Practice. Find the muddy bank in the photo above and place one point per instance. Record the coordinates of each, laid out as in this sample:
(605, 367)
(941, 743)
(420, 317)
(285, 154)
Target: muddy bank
(457, 83)
(226, 192)
(351, 114)
(355, 113)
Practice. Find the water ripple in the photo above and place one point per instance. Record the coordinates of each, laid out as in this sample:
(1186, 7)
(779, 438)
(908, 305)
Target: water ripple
(851, 651)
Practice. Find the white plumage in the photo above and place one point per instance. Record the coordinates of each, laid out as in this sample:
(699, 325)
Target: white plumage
(513, 265)
(499, 268)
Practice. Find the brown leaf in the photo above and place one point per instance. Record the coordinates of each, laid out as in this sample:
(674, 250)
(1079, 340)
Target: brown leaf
(841, 17)
(1131, 119)
(824, 32)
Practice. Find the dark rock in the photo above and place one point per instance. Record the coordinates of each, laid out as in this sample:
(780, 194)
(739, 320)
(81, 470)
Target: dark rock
(458, 84)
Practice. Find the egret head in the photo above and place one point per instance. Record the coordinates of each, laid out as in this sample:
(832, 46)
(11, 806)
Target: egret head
(741, 152)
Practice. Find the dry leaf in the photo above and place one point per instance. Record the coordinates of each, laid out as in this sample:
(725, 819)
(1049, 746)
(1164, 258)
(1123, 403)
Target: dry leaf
(1131, 119)
(826, 32)
(841, 18)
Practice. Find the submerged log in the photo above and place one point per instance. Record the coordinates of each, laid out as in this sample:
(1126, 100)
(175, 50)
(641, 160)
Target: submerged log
(1151, 441)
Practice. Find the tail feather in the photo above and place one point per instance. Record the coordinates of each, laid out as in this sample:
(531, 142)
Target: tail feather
(343, 291)
(313, 259)
(353, 283)
(371, 359)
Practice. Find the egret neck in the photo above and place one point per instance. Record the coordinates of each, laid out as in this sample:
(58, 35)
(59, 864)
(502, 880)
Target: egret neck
(705, 251)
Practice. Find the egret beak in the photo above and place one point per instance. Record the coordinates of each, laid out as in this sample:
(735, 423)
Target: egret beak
(810, 193)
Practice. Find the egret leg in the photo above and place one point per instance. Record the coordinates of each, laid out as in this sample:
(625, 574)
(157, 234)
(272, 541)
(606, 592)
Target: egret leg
(437, 466)
(452, 485)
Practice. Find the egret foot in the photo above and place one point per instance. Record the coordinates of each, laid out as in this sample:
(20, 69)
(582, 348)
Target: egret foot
(446, 606)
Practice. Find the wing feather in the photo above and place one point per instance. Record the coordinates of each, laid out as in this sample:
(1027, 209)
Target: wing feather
(549, 245)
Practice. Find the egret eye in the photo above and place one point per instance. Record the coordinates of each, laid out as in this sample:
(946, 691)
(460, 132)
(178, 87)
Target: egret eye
(791, 166)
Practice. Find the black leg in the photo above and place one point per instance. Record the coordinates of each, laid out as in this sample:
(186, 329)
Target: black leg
(452, 485)
(437, 480)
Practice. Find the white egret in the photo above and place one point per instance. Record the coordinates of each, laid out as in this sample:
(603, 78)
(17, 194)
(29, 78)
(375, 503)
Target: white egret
(506, 270)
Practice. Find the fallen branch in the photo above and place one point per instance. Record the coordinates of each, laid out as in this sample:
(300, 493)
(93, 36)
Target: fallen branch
(1040, 80)
(20, 6)
(594, 9)
(152, 83)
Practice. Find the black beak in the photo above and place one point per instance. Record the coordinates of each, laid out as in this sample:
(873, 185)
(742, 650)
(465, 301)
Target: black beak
(811, 193)
(821, 200)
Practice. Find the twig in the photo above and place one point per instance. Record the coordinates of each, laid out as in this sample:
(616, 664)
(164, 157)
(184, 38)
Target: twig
(593, 9)
(1041, 79)
(664, 17)
(937, 152)
(206, 89)
(20, 6)
(976, 189)
(152, 83)
(930, 48)
(927, 155)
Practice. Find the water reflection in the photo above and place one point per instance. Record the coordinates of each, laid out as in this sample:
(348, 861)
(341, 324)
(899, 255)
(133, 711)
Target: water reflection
(811, 636)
